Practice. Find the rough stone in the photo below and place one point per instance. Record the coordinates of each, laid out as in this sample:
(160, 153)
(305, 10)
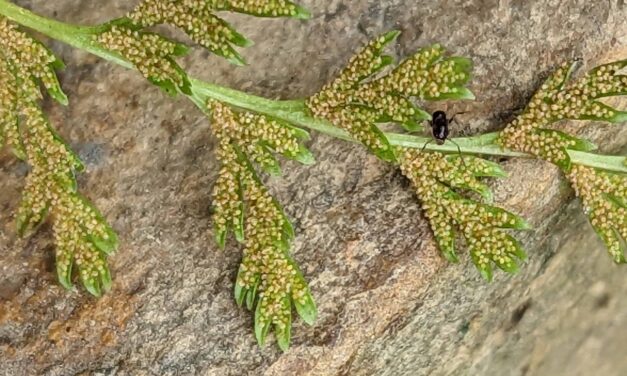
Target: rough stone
(389, 304)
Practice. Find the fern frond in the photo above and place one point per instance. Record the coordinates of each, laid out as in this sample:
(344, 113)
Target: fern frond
(152, 54)
(82, 236)
(603, 194)
(268, 280)
(359, 98)
(199, 21)
(604, 197)
(439, 182)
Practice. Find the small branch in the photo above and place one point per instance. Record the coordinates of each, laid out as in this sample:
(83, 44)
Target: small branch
(292, 111)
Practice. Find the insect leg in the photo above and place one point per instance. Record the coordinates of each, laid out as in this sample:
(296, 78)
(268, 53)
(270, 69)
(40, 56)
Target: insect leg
(425, 145)
(459, 150)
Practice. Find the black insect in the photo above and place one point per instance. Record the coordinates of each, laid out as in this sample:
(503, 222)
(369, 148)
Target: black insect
(439, 130)
(439, 126)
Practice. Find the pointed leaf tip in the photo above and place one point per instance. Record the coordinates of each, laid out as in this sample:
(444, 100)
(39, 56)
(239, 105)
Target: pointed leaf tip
(261, 328)
(302, 13)
(59, 96)
(65, 276)
(391, 35)
(106, 279)
(523, 224)
(486, 274)
(305, 156)
(619, 117)
(92, 286)
(450, 256)
(307, 311)
(511, 267)
(220, 237)
(283, 330)
(239, 293)
(240, 40)
(237, 60)
(467, 94)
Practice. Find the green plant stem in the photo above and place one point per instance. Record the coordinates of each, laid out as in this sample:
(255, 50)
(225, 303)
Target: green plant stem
(292, 111)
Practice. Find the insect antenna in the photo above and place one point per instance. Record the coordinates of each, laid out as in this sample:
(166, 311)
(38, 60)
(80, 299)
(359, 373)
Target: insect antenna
(452, 119)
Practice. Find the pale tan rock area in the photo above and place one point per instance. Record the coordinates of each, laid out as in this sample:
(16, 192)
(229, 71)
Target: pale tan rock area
(388, 302)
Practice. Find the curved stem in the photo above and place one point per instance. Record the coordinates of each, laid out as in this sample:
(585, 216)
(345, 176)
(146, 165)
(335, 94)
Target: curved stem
(292, 111)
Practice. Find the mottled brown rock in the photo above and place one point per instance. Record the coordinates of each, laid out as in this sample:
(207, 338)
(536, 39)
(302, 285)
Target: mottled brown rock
(388, 303)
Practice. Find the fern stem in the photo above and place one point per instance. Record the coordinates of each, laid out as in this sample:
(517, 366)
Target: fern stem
(292, 111)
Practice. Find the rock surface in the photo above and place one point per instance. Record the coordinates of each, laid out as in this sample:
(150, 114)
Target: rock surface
(388, 303)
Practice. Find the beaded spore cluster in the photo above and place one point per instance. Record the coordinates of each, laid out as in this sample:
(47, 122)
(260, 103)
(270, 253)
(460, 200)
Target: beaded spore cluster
(440, 183)
(198, 19)
(603, 194)
(268, 280)
(83, 238)
(604, 199)
(368, 92)
(152, 54)
(362, 96)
